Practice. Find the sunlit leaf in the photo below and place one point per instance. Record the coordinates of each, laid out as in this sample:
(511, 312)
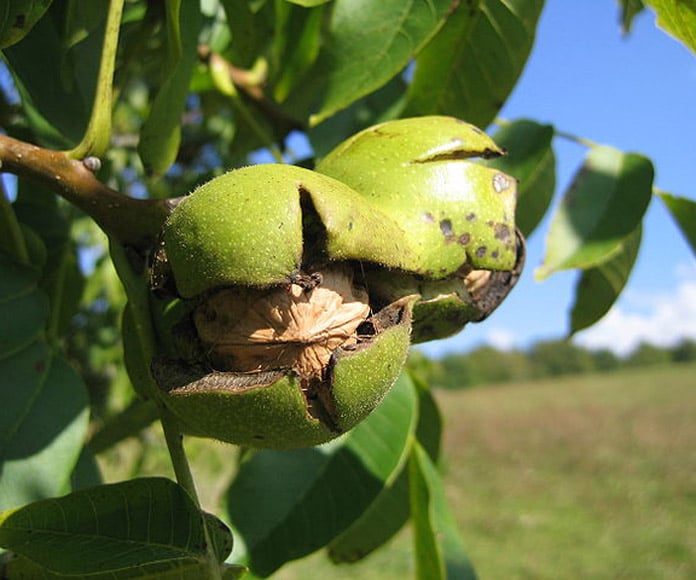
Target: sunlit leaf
(530, 159)
(161, 134)
(678, 18)
(683, 211)
(471, 66)
(370, 42)
(140, 528)
(438, 547)
(605, 203)
(599, 287)
(287, 504)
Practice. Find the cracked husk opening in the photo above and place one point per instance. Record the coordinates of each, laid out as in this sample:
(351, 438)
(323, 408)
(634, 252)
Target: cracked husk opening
(295, 327)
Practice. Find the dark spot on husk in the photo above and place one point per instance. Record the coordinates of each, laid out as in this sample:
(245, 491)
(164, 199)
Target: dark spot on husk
(464, 239)
(428, 217)
(470, 217)
(481, 251)
(502, 232)
(446, 229)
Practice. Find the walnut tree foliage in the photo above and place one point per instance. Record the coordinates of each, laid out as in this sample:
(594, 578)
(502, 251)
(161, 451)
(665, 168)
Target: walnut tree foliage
(110, 112)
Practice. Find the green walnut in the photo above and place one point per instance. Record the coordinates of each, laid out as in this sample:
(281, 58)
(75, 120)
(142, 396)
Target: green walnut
(459, 214)
(296, 293)
(273, 341)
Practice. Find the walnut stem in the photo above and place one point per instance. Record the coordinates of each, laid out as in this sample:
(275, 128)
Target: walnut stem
(132, 222)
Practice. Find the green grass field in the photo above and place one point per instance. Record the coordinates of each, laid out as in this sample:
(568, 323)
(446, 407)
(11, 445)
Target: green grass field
(587, 477)
(584, 477)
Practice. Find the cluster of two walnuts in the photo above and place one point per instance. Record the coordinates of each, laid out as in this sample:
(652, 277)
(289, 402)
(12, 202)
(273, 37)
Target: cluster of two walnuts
(294, 294)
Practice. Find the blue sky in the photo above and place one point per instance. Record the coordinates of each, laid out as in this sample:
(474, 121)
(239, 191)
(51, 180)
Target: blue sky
(636, 93)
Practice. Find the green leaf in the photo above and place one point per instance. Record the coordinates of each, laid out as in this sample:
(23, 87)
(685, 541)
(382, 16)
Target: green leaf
(17, 19)
(43, 422)
(62, 278)
(472, 65)
(140, 528)
(296, 47)
(23, 307)
(605, 203)
(287, 504)
(250, 25)
(531, 160)
(387, 514)
(629, 10)
(369, 43)
(21, 569)
(438, 547)
(599, 287)
(382, 105)
(678, 18)
(683, 211)
(161, 133)
(43, 402)
(56, 80)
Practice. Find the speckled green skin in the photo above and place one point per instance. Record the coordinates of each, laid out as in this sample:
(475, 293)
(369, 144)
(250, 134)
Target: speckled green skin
(245, 228)
(418, 172)
(275, 415)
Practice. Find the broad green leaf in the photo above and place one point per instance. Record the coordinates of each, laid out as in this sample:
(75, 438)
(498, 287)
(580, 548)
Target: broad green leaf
(62, 279)
(287, 504)
(531, 160)
(387, 514)
(17, 19)
(678, 18)
(43, 402)
(22, 569)
(683, 211)
(251, 25)
(296, 46)
(605, 203)
(472, 65)
(56, 81)
(140, 528)
(43, 422)
(599, 287)
(382, 105)
(438, 547)
(23, 307)
(629, 10)
(161, 133)
(370, 42)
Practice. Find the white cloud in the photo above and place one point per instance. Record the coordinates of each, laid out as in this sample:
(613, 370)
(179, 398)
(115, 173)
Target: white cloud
(501, 338)
(661, 319)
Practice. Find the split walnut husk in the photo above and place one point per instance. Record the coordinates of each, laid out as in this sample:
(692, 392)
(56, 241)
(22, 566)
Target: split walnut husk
(290, 366)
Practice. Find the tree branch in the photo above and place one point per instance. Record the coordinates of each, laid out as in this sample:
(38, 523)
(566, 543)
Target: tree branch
(132, 222)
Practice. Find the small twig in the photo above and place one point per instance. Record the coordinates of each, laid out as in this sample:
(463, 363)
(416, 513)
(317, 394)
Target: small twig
(133, 222)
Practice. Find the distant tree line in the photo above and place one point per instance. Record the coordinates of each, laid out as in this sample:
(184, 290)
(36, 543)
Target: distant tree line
(487, 364)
